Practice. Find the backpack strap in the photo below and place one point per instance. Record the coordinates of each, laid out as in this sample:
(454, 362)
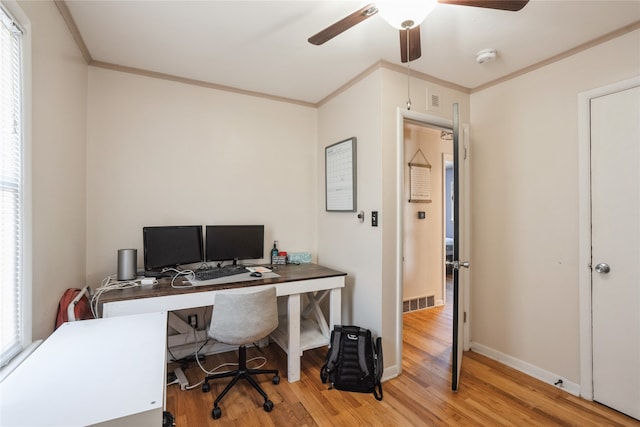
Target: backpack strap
(378, 366)
(336, 337)
(332, 355)
(377, 391)
(362, 360)
(379, 362)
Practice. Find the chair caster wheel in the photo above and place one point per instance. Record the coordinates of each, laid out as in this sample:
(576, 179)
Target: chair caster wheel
(268, 405)
(276, 380)
(216, 413)
(205, 387)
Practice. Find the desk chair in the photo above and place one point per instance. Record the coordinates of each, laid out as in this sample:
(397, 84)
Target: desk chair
(241, 318)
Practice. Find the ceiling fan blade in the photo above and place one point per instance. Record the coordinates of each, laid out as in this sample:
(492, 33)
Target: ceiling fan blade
(414, 44)
(343, 25)
(511, 5)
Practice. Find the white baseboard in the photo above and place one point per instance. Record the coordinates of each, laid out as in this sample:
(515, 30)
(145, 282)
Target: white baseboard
(390, 372)
(527, 368)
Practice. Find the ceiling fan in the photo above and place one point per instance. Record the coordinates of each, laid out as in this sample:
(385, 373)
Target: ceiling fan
(409, 27)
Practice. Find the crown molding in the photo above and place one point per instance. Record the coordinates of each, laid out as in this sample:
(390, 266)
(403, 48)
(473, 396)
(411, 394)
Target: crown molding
(73, 28)
(588, 45)
(75, 32)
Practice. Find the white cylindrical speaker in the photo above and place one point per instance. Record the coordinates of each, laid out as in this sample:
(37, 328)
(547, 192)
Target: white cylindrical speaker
(127, 264)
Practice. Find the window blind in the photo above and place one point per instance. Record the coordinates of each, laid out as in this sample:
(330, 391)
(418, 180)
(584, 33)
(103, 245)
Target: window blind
(11, 188)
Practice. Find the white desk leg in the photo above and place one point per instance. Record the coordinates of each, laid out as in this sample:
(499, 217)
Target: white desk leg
(335, 308)
(294, 353)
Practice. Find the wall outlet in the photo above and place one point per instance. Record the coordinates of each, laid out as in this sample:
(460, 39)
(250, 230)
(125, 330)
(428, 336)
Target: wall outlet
(192, 320)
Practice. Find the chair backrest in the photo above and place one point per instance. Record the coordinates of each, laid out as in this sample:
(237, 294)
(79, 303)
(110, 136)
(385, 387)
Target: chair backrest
(243, 316)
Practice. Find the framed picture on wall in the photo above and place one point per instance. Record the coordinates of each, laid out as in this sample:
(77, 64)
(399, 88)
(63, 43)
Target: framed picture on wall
(419, 180)
(340, 176)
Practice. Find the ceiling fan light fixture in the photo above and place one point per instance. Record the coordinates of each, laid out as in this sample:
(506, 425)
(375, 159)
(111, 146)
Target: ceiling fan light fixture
(405, 14)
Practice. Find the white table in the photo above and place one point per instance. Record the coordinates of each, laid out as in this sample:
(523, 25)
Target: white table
(84, 374)
(293, 335)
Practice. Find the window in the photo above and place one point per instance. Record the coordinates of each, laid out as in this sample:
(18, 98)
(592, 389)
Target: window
(12, 333)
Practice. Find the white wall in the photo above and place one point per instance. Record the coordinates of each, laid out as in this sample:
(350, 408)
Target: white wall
(524, 134)
(58, 136)
(343, 242)
(167, 153)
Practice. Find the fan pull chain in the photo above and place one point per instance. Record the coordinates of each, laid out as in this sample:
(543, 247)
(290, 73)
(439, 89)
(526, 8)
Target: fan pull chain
(408, 75)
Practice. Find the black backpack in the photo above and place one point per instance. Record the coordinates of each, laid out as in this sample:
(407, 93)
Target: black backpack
(354, 361)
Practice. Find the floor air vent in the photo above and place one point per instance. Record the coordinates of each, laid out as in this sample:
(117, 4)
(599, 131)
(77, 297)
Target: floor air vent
(418, 303)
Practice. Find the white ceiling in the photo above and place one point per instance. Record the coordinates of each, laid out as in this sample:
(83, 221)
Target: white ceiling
(261, 46)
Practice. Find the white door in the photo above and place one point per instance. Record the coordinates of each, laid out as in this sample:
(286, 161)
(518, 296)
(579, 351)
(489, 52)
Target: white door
(615, 216)
(460, 225)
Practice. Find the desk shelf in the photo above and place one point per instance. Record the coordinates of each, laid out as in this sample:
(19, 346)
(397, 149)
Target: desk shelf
(310, 335)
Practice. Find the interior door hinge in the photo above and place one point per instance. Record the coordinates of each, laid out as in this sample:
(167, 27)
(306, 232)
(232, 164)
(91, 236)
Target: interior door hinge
(464, 319)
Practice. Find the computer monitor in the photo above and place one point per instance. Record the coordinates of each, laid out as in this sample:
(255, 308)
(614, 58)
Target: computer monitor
(234, 242)
(171, 246)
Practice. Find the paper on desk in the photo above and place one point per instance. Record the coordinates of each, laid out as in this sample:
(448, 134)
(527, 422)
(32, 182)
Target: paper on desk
(259, 269)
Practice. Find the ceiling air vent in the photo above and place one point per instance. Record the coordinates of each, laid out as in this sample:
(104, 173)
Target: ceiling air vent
(433, 101)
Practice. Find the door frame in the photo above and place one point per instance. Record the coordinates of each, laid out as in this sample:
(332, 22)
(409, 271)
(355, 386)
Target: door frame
(437, 122)
(584, 226)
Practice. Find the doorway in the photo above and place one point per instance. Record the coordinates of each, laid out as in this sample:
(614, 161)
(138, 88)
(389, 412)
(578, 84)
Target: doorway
(461, 332)
(460, 339)
(427, 219)
(609, 272)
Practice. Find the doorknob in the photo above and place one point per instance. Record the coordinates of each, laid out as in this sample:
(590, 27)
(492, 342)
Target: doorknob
(602, 268)
(457, 264)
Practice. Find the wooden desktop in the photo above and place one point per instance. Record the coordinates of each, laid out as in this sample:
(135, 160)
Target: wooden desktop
(300, 328)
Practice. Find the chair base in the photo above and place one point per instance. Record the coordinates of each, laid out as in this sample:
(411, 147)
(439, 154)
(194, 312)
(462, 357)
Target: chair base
(241, 373)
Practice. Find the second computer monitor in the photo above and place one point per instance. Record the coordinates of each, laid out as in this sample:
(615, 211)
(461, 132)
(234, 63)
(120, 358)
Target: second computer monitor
(234, 242)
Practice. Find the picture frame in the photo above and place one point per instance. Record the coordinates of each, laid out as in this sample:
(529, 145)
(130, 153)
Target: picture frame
(419, 179)
(419, 183)
(340, 176)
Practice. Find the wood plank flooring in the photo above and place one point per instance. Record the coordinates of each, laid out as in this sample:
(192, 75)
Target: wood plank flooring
(491, 394)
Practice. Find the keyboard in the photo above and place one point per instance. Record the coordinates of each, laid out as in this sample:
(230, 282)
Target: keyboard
(215, 273)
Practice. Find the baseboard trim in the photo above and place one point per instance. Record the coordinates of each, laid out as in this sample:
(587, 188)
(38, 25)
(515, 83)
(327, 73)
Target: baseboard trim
(390, 372)
(527, 368)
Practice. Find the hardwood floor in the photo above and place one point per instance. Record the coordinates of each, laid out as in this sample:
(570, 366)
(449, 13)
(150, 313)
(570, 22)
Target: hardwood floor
(490, 393)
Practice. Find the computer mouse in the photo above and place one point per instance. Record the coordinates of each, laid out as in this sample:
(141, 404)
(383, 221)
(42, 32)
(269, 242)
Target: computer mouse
(256, 274)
